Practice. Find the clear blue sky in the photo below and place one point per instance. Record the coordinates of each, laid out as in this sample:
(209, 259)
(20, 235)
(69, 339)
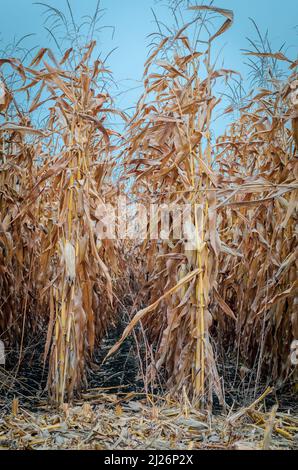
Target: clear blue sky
(133, 21)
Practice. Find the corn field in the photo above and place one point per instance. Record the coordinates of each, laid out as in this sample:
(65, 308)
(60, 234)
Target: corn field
(234, 290)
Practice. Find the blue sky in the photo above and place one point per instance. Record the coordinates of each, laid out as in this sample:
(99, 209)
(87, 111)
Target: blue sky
(133, 21)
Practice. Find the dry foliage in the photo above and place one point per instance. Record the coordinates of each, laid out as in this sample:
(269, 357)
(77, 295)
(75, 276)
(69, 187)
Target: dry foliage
(53, 261)
(258, 279)
(239, 281)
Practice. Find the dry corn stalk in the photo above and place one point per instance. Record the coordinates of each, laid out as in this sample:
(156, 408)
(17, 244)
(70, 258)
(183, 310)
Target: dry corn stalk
(258, 223)
(57, 183)
(171, 157)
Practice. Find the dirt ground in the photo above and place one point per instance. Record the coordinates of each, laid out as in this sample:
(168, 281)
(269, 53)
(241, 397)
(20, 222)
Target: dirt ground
(113, 412)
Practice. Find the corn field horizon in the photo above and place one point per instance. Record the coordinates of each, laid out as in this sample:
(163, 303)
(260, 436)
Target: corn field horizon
(76, 263)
